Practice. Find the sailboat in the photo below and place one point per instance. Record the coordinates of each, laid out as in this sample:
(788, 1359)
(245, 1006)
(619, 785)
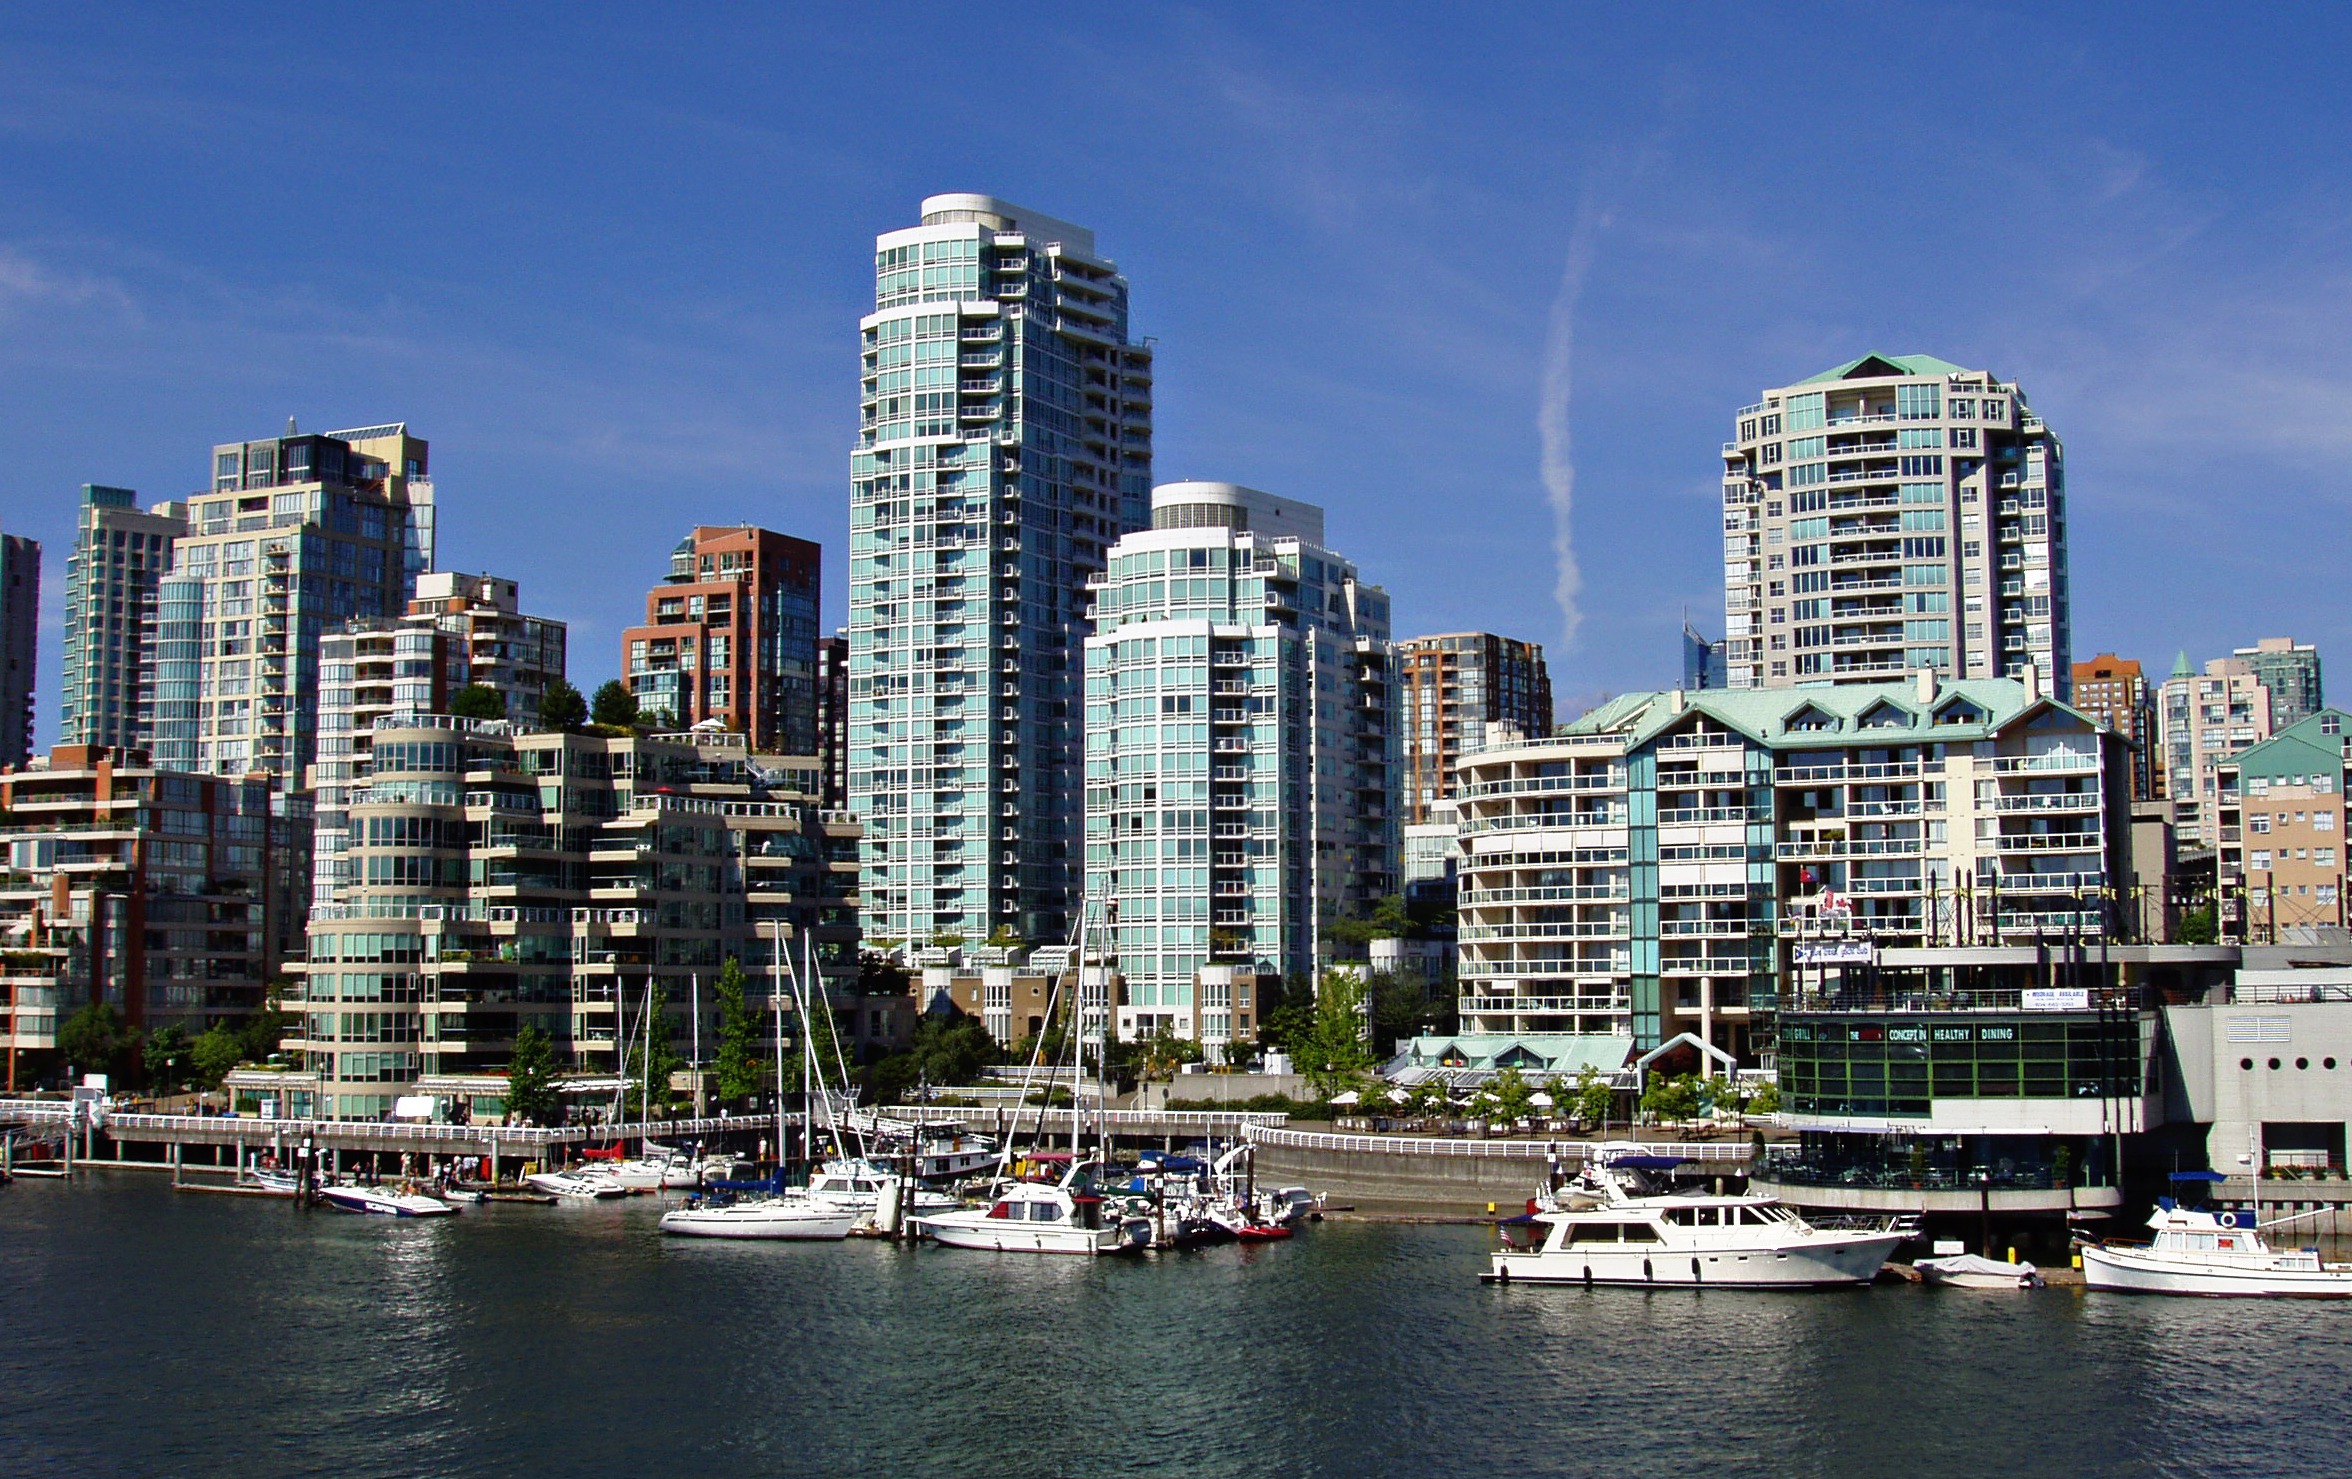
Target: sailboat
(781, 1214)
(1068, 1217)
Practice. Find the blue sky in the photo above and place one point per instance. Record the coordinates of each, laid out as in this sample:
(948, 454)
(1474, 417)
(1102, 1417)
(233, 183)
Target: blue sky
(611, 266)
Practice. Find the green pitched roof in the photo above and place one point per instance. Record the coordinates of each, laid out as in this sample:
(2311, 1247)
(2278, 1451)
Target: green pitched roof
(2180, 666)
(2302, 748)
(1874, 366)
(1763, 714)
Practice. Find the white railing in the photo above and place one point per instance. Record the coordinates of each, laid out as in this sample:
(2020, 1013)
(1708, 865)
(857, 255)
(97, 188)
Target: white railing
(1511, 1150)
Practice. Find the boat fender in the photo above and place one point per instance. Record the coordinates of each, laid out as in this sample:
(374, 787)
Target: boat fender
(1646, 1274)
(1695, 1272)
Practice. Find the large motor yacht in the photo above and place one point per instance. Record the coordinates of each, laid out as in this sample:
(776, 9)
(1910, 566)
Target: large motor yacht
(1616, 1224)
(1032, 1217)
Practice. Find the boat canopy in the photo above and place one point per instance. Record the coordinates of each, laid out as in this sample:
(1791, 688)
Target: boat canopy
(2198, 1176)
(1648, 1162)
(1175, 1165)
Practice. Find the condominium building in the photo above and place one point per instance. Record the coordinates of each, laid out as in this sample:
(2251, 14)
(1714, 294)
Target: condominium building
(159, 893)
(1703, 660)
(1005, 445)
(2115, 692)
(1458, 690)
(500, 878)
(731, 636)
(1665, 863)
(20, 644)
(2279, 836)
(1895, 513)
(120, 552)
(2205, 719)
(495, 644)
(2290, 670)
(1241, 749)
(833, 717)
(298, 535)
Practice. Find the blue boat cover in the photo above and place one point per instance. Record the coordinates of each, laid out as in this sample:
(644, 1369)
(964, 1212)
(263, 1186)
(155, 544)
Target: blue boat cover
(2198, 1176)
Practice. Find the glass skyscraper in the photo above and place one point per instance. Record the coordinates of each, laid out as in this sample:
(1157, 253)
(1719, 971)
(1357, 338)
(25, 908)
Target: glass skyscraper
(118, 559)
(1005, 443)
(1242, 750)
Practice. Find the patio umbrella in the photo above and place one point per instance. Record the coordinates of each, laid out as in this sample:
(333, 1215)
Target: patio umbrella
(1540, 1099)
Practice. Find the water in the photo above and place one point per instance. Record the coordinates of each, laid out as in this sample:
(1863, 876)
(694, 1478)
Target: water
(161, 1334)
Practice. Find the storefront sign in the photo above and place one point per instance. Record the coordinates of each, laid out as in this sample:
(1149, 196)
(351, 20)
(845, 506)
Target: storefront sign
(1835, 952)
(2055, 999)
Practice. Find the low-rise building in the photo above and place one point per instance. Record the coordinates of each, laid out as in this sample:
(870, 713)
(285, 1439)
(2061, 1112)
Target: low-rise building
(499, 878)
(2280, 843)
(165, 895)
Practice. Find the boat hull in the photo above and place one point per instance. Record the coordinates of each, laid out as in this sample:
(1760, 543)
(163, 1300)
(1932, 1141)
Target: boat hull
(577, 1188)
(2134, 1271)
(1006, 1236)
(759, 1222)
(1827, 1263)
(384, 1204)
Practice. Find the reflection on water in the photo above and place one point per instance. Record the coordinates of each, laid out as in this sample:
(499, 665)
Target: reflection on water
(157, 1333)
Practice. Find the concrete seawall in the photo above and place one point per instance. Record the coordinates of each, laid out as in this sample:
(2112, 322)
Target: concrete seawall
(1410, 1175)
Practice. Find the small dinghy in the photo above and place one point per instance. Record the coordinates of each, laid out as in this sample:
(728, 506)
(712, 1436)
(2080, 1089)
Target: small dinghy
(1968, 1271)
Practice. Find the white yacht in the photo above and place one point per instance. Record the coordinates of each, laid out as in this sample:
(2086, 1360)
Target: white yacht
(384, 1202)
(766, 1217)
(578, 1185)
(855, 1185)
(655, 1173)
(2215, 1254)
(1031, 1217)
(1613, 1225)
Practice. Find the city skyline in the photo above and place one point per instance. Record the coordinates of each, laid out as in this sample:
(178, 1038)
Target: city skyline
(716, 390)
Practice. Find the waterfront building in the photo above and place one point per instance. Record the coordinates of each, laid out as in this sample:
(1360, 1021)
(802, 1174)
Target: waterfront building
(1004, 445)
(495, 644)
(2279, 835)
(1432, 849)
(298, 535)
(2261, 1068)
(731, 635)
(1458, 690)
(1241, 749)
(164, 894)
(833, 716)
(2290, 671)
(120, 552)
(1649, 870)
(1894, 513)
(497, 877)
(20, 644)
(2115, 692)
(2206, 718)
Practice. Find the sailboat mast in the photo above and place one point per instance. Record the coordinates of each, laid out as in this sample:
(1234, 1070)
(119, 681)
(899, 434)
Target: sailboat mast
(776, 1010)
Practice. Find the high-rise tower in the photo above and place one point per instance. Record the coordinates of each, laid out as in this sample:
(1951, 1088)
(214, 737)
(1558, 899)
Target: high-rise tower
(1005, 443)
(1892, 514)
(119, 555)
(297, 535)
(731, 635)
(20, 635)
(1241, 751)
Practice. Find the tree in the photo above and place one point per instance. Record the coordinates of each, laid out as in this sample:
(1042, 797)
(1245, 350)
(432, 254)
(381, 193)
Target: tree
(530, 1079)
(1161, 1054)
(615, 705)
(1766, 1100)
(1335, 1053)
(95, 1039)
(1593, 1098)
(216, 1050)
(478, 701)
(1514, 1096)
(258, 1035)
(1671, 1100)
(165, 1056)
(561, 707)
(2200, 926)
(650, 1060)
(736, 1069)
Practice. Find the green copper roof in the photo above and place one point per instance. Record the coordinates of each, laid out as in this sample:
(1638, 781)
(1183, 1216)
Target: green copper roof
(2180, 666)
(1888, 713)
(1874, 366)
(2304, 747)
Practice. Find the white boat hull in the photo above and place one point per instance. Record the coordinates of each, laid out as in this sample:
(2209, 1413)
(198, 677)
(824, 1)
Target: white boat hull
(1000, 1235)
(573, 1187)
(379, 1203)
(1828, 1261)
(2138, 1271)
(761, 1220)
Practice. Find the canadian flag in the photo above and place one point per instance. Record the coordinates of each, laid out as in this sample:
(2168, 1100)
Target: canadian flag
(1832, 902)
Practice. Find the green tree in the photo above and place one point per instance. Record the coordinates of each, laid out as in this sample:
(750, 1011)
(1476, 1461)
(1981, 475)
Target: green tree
(1335, 1053)
(259, 1034)
(561, 707)
(478, 701)
(216, 1050)
(1593, 1098)
(1514, 1096)
(1671, 1100)
(1766, 1100)
(530, 1079)
(614, 705)
(651, 1059)
(95, 1039)
(1163, 1053)
(165, 1057)
(736, 1069)
(2200, 926)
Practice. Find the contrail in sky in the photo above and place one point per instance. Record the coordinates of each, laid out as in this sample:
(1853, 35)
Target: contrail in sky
(1559, 462)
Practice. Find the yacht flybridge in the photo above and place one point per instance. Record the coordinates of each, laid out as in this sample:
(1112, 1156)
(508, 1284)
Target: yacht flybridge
(1616, 1224)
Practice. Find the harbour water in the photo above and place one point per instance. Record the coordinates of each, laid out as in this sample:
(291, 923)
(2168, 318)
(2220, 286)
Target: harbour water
(156, 1333)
